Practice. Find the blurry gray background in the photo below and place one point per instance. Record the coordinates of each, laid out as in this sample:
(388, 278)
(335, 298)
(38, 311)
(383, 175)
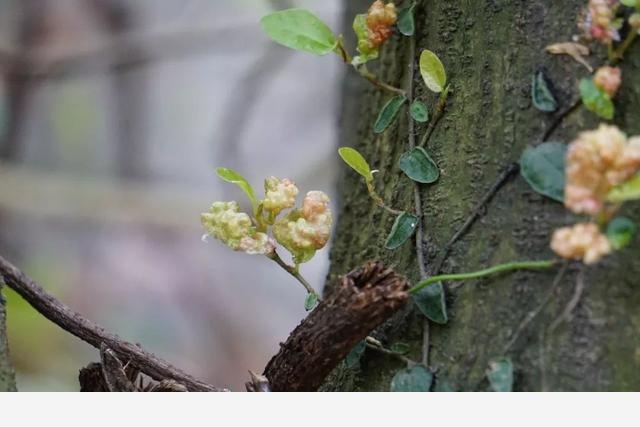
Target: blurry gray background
(113, 117)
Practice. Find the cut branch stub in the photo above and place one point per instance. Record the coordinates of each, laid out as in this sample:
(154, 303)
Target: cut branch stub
(361, 301)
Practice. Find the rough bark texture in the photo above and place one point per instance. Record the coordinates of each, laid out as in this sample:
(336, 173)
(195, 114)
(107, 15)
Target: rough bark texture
(360, 301)
(7, 377)
(490, 48)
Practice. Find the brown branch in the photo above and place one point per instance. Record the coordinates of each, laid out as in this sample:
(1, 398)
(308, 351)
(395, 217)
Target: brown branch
(74, 323)
(360, 302)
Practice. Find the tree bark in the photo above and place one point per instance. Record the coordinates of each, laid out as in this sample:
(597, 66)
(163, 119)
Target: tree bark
(491, 49)
(7, 376)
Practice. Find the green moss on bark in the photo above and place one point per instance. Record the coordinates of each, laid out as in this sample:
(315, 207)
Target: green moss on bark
(490, 50)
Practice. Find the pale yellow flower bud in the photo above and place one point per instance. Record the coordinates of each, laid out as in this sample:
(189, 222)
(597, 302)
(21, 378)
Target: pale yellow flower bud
(596, 162)
(303, 231)
(581, 242)
(280, 194)
(608, 79)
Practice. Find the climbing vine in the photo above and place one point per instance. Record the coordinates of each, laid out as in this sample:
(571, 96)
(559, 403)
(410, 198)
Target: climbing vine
(593, 176)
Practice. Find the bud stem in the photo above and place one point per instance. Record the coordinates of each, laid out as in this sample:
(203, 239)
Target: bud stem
(294, 271)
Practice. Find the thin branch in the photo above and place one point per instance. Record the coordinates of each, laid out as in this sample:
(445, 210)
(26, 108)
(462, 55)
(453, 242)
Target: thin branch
(559, 119)
(293, 271)
(376, 345)
(359, 303)
(508, 172)
(77, 325)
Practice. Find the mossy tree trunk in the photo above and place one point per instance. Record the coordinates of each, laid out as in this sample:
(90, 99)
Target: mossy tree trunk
(7, 379)
(490, 48)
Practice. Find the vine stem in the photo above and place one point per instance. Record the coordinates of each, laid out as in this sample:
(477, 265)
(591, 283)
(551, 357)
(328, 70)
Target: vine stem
(618, 54)
(379, 201)
(502, 268)
(376, 345)
(442, 105)
(294, 271)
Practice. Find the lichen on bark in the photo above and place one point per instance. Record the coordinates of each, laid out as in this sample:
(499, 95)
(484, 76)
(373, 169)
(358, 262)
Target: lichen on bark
(490, 48)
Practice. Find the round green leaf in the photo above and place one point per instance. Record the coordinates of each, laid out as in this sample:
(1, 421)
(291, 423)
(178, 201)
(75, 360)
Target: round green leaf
(353, 358)
(403, 228)
(431, 302)
(500, 375)
(419, 111)
(418, 166)
(626, 191)
(310, 302)
(596, 100)
(621, 232)
(416, 379)
(432, 71)
(355, 160)
(234, 177)
(406, 22)
(542, 94)
(543, 168)
(388, 113)
(301, 30)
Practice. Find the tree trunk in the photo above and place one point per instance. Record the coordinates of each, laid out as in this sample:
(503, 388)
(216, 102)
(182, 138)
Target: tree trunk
(490, 48)
(7, 379)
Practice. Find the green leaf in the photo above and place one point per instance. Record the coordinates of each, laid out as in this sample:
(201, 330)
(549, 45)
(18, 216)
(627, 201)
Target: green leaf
(621, 232)
(234, 177)
(310, 302)
(432, 70)
(630, 3)
(419, 111)
(542, 93)
(416, 379)
(301, 30)
(403, 228)
(500, 375)
(543, 167)
(444, 385)
(355, 160)
(418, 166)
(354, 356)
(406, 21)
(596, 100)
(431, 302)
(626, 191)
(400, 348)
(389, 113)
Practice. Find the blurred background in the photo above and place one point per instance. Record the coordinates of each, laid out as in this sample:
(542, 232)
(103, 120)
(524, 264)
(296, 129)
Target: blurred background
(113, 117)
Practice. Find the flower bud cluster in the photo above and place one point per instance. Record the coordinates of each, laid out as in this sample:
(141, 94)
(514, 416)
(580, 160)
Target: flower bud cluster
(380, 18)
(598, 22)
(584, 242)
(608, 79)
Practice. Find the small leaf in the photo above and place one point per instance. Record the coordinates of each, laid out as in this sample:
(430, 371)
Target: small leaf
(403, 228)
(626, 191)
(310, 302)
(406, 21)
(419, 111)
(355, 160)
(388, 113)
(621, 232)
(354, 356)
(444, 385)
(542, 93)
(630, 3)
(543, 168)
(500, 375)
(432, 70)
(301, 30)
(234, 177)
(431, 302)
(416, 379)
(400, 348)
(596, 100)
(418, 166)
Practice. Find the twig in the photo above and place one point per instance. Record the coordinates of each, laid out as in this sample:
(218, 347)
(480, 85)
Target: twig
(508, 172)
(359, 302)
(74, 323)
(293, 271)
(439, 113)
(572, 304)
(374, 344)
(533, 314)
(559, 119)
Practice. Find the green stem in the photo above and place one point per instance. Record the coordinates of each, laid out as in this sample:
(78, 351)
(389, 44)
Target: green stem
(294, 271)
(618, 55)
(442, 104)
(364, 72)
(376, 198)
(502, 268)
